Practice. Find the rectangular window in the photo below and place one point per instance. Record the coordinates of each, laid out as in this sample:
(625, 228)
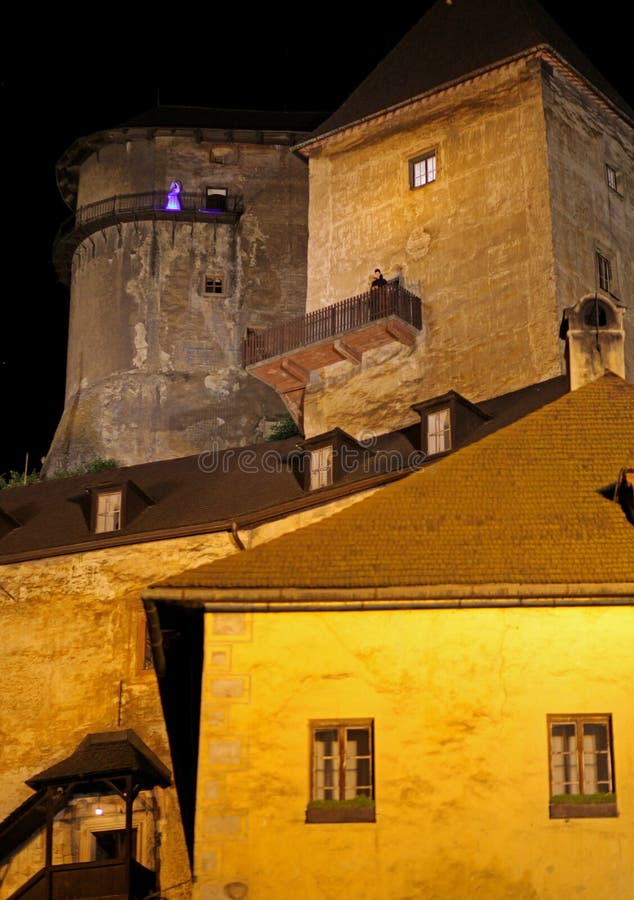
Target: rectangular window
(342, 777)
(439, 431)
(320, 467)
(611, 176)
(422, 170)
(216, 198)
(604, 272)
(213, 284)
(581, 767)
(108, 511)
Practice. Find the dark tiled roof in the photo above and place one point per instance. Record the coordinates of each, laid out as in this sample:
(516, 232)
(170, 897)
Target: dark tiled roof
(200, 494)
(526, 505)
(107, 755)
(454, 40)
(203, 117)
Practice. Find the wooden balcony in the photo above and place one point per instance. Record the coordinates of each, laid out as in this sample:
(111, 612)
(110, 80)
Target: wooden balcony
(284, 356)
(114, 878)
(194, 207)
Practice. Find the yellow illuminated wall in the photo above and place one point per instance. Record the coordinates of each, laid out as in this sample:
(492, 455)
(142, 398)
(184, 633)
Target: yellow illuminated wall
(459, 700)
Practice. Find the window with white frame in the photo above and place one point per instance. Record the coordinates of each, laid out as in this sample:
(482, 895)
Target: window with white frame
(438, 431)
(422, 169)
(604, 272)
(612, 178)
(320, 467)
(342, 761)
(108, 511)
(581, 766)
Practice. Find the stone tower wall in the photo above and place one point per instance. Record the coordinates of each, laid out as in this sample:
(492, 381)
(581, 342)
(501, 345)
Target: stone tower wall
(475, 245)
(585, 135)
(154, 362)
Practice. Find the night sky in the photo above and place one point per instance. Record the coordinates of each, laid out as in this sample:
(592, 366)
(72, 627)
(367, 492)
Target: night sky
(65, 84)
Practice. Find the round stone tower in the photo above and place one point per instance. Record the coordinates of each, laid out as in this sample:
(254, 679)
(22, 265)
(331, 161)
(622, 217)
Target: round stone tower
(189, 228)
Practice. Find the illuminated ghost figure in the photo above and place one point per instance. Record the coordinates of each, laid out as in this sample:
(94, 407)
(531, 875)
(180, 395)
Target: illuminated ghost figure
(173, 203)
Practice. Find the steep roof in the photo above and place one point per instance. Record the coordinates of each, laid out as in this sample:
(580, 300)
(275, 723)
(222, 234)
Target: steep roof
(108, 754)
(529, 504)
(455, 39)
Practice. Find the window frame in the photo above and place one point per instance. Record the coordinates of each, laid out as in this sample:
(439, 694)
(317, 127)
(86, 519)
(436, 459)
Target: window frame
(218, 280)
(360, 807)
(604, 272)
(612, 178)
(577, 807)
(429, 160)
(321, 461)
(442, 434)
(102, 495)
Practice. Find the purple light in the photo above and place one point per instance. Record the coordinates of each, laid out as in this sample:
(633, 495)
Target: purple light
(173, 203)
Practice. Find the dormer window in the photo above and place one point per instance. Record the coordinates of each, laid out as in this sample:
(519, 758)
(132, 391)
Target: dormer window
(438, 431)
(108, 505)
(321, 467)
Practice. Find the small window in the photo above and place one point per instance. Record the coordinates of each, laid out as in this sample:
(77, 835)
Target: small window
(612, 178)
(111, 844)
(342, 772)
(595, 314)
(438, 431)
(320, 467)
(422, 170)
(214, 284)
(144, 656)
(604, 272)
(581, 766)
(108, 511)
(216, 198)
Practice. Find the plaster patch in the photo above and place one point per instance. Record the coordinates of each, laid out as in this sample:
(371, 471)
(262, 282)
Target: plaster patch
(140, 345)
(418, 242)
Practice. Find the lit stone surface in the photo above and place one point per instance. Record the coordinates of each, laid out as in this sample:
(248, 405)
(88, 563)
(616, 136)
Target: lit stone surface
(497, 246)
(154, 362)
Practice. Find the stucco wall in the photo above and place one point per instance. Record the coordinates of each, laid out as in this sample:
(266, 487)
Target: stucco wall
(72, 665)
(459, 700)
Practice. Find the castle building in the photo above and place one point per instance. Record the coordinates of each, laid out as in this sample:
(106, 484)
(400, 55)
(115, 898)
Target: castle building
(188, 227)
(330, 663)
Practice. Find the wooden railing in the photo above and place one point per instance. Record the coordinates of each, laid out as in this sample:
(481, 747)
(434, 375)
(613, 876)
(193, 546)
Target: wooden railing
(90, 879)
(332, 321)
(155, 201)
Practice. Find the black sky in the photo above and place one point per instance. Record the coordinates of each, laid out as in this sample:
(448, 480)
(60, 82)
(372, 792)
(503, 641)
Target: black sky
(75, 79)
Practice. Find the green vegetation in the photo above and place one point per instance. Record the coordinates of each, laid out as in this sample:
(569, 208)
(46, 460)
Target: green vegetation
(353, 803)
(583, 798)
(17, 479)
(285, 428)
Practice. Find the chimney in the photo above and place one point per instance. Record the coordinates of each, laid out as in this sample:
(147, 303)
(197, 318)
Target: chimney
(595, 340)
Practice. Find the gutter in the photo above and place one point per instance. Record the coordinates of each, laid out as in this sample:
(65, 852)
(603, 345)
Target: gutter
(486, 596)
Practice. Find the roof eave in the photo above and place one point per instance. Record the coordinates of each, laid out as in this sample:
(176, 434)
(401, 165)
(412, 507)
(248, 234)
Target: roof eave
(427, 596)
(540, 50)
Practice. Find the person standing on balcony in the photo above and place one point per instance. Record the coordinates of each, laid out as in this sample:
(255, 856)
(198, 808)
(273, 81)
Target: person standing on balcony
(378, 281)
(377, 301)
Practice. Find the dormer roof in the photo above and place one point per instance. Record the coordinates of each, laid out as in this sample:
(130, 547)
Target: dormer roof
(457, 39)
